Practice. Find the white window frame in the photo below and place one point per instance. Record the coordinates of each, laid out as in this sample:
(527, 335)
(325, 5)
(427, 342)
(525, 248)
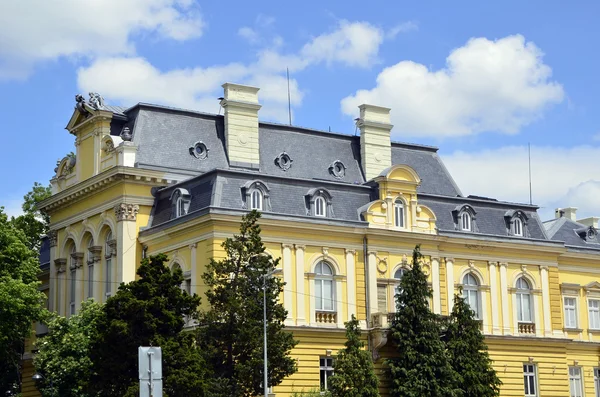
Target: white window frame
(594, 311)
(597, 381)
(382, 301)
(575, 381)
(521, 293)
(325, 371)
(399, 214)
(258, 203)
(570, 312)
(320, 206)
(530, 373)
(466, 221)
(179, 207)
(518, 227)
(321, 280)
(470, 290)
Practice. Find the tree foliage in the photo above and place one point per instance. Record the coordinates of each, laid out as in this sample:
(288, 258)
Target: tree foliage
(33, 222)
(422, 366)
(468, 353)
(63, 353)
(20, 300)
(353, 373)
(148, 312)
(231, 331)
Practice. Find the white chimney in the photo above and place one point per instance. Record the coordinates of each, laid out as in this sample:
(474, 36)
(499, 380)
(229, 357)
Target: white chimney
(375, 140)
(241, 125)
(568, 212)
(591, 221)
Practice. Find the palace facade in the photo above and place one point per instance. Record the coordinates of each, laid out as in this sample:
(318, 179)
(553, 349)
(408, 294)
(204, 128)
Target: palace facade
(344, 213)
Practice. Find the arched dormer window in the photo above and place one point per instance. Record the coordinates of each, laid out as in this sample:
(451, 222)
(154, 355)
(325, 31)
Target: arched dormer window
(524, 301)
(324, 287)
(180, 202)
(465, 218)
(319, 203)
(255, 196)
(471, 293)
(399, 214)
(516, 223)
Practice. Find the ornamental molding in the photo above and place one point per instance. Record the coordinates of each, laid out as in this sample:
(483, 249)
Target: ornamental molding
(77, 260)
(53, 238)
(94, 254)
(288, 246)
(350, 251)
(126, 212)
(112, 244)
(300, 247)
(61, 265)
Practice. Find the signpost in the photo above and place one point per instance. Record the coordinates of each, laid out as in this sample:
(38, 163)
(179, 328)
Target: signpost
(150, 367)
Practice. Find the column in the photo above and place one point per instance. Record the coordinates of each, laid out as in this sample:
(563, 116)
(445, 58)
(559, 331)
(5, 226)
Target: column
(339, 298)
(287, 279)
(351, 282)
(494, 298)
(546, 301)
(300, 293)
(435, 282)
(372, 284)
(450, 283)
(61, 269)
(504, 300)
(126, 243)
(79, 279)
(52, 291)
(193, 268)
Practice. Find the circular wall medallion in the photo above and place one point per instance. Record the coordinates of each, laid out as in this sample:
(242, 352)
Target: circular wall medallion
(382, 267)
(378, 157)
(243, 139)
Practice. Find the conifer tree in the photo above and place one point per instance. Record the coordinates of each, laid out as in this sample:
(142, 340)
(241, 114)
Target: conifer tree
(422, 367)
(231, 331)
(353, 373)
(468, 353)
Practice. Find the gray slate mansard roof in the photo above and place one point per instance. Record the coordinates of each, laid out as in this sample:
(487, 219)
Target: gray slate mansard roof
(564, 229)
(164, 136)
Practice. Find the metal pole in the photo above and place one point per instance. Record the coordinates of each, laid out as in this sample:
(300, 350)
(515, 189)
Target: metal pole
(266, 387)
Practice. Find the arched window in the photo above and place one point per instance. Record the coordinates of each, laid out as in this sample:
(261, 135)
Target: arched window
(180, 201)
(465, 219)
(72, 274)
(398, 276)
(471, 293)
(108, 254)
(320, 206)
(399, 213)
(518, 227)
(90, 274)
(256, 200)
(324, 287)
(523, 301)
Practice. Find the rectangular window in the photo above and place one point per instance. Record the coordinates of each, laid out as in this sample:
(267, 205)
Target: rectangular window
(597, 381)
(530, 381)
(570, 312)
(594, 310)
(523, 307)
(72, 293)
(108, 277)
(326, 370)
(382, 292)
(91, 280)
(399, 214)
(575, 382)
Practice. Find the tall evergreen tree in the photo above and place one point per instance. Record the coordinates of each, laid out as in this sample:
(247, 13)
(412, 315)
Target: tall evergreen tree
(468, 353)
(353, 373)
(231, 331)
(422, 367)
(148, 312)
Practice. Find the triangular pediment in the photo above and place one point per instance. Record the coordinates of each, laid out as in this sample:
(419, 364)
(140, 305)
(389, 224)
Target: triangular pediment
(76, 119)
(593, 286)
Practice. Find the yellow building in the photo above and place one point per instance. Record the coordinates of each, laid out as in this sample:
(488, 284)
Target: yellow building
(344, 213)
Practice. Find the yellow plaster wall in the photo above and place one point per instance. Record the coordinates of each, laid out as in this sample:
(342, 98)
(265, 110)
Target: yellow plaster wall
(85, 157)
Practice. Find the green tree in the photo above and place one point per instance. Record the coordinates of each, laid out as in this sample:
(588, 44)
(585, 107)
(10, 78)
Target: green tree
(422, 366)
(468, 353)
(34, 222)
(20, 300)
(148, 312)
(231, 330)
(63, 353)
(353, 373)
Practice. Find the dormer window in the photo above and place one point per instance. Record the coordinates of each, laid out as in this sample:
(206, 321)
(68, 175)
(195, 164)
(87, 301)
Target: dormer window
(465, 219)
(518, 227)
(319, 203)
(255, 196)
(399, 214)
(180, 202)
(589, 234)
(516, 223)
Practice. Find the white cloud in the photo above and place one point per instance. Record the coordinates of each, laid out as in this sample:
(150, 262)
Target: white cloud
(486, 85)
(561, 177)
(33, 31)
(129, 80)
(403, 27)
(249, 34)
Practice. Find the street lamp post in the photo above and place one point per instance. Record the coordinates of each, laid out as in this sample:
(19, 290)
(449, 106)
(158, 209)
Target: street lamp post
(266, 387)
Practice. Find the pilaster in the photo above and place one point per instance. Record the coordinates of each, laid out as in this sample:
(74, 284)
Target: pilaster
(504, 299)
(300, 292)
(450, 283)
(287, 279)
(435, 281)
(126, 215)
(494, 298)
(52, 293)
(193, 268)
(60, 265)
(546, 301)
(351, 282)
(372, 280)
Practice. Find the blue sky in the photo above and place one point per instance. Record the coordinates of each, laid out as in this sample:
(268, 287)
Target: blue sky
(478, 79)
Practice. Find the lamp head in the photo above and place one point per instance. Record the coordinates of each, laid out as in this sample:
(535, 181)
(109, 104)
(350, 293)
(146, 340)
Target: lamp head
(37, 377)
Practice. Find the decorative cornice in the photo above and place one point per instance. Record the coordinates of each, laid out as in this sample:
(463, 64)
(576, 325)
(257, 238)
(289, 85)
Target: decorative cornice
(126, 212)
